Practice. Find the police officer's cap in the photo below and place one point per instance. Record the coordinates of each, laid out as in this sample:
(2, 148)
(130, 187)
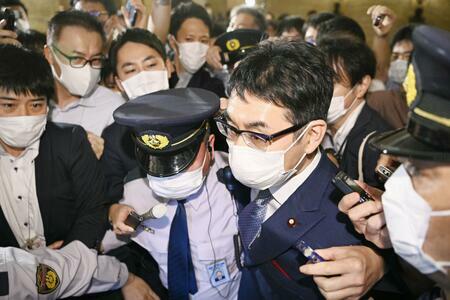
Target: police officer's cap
(236, 44)
(168, 127)
(427, 85)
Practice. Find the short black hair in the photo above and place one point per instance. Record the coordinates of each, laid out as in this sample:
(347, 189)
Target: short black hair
(109, 5)
(135, 35)
(290, 74)
(185, 11)
(18, 77)
(13, 3)
(403, 34)
(315, 20)
(260, 20)
(352, 59)
(73, 18)
(32, 40)
(341, 26)
(289, 23)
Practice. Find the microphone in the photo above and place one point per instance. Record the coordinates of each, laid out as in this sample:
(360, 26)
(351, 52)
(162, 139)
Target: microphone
(134, 219)
(156, 212)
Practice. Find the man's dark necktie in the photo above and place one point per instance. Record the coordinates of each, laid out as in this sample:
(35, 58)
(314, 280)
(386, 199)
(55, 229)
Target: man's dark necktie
(181, 275)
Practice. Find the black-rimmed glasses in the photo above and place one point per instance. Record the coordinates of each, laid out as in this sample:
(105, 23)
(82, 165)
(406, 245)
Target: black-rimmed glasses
(79, 61)
(252, 139)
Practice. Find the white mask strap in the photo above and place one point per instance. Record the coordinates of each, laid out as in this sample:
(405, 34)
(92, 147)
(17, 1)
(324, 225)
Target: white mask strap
(440, 213)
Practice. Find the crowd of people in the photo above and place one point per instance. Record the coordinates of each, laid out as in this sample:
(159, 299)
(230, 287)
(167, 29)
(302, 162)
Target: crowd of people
(150, 153)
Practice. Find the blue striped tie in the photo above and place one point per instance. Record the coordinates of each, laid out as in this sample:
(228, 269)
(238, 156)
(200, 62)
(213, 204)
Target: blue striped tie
(252, 216)
(181, 275)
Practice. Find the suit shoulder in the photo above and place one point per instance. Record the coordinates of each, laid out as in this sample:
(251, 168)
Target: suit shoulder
(114, 129)
(63, 129)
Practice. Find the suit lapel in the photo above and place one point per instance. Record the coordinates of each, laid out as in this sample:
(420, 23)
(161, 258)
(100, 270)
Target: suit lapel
(277, 234)
(364, 118)
(43, 173)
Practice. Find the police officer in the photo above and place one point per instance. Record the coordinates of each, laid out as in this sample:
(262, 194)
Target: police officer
(72, 271)
(194, 240)
(413, 215)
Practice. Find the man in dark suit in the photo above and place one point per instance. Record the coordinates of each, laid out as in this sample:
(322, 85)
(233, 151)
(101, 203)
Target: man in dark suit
(274, 124)
(351, 121)
(52, 189)
(190, 29)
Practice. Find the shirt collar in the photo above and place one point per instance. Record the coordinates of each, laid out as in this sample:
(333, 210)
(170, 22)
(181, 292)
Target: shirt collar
(283, 192)
(341, 134)
(87, 101)
(33, 149)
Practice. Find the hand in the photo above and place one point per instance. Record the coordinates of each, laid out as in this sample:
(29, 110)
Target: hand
(349, 272)
(118, 213)
(141, 15)
(112, 27)
(368, 217)
(136, 289)
(56, 245)
(388, 19)
(7, 36)
(97, 144)
(213, 58)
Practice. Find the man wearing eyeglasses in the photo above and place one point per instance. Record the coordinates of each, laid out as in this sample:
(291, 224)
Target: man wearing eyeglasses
(274, 123)
(75, 42)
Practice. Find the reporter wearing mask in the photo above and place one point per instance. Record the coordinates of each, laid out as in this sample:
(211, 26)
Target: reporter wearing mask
(140, 67)
(412, 216)
(75, 44)
(51, 185)
(190, 28)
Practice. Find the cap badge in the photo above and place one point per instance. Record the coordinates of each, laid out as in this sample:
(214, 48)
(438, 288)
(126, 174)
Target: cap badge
(233, 45)
(155, 141)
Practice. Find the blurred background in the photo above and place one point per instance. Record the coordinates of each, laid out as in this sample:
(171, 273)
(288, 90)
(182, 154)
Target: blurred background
(432, 12)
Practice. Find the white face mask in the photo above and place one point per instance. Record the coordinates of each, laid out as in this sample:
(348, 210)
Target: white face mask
(192, 55)
(22, 25)
(337, 108)
(145, 82)
(407, 219)
(78, 81)
(397, 70)
(23, 131)
(261, 170)
(179, 186)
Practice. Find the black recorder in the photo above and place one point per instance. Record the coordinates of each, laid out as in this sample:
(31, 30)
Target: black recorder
(347, 185)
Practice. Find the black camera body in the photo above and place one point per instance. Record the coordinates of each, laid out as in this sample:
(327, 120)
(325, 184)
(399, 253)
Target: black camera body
(8, 15)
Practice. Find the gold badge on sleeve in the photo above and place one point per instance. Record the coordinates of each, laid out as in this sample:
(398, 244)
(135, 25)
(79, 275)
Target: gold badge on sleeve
(47, 280)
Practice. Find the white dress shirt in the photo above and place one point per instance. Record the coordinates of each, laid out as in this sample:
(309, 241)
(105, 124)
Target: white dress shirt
(282, 193)
(339, 140)
(18, 197)
(94, 113)
(212, 223)
(183, 80)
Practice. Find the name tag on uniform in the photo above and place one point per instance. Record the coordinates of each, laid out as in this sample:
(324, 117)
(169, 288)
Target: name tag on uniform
(218, 273)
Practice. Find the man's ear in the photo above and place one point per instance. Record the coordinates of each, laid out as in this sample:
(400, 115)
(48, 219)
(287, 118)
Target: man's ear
(173, 43)
(316, 133)
(119, 84)
(211, 141)
(169, 67)
(363, 87)
(48, 55)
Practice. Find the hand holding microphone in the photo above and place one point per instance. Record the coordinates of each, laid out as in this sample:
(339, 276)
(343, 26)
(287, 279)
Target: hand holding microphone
(125, 220)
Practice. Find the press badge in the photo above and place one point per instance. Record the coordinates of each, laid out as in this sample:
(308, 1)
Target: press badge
(218, 273)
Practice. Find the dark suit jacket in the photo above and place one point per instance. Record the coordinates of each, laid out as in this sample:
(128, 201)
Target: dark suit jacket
(70, 189)
(118, 159)
(367, 122)
(273, 272)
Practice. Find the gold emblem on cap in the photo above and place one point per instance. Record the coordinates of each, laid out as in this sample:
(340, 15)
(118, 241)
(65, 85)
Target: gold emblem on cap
(155, 141)
(233, 45)
(410, 85)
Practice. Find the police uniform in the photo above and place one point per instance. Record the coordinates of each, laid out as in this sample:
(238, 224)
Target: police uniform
(52, 274)
(168, 129)
(427, 135)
